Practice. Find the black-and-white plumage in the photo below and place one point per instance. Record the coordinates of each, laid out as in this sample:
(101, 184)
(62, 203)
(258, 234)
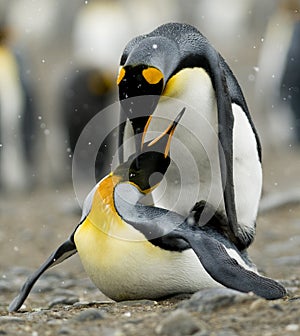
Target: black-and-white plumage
(134, 251)
(173, 65)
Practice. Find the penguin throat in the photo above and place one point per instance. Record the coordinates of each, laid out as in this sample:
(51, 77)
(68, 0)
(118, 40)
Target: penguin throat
(103, 214)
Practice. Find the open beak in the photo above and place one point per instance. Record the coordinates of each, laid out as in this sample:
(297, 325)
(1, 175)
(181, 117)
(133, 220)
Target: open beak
(169, 131)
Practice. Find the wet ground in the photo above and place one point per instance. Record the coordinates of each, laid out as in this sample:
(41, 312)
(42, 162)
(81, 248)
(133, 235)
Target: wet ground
(65, 302)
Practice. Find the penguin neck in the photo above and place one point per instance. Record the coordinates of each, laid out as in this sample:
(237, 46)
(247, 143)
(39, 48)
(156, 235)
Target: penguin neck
(104, 193)
(103, 220)
(103, 214)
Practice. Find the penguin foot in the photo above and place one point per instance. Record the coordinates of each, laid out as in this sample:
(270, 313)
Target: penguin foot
(204, 214)
(245, 237)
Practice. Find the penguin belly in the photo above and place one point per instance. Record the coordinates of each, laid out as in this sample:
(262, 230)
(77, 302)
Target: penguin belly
(127, 269)
(194, 173)
(247, 171)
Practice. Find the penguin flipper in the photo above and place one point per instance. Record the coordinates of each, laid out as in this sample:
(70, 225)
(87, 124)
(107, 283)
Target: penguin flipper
(64, 251)
(152, 221)
(225, 134)
(225, 269)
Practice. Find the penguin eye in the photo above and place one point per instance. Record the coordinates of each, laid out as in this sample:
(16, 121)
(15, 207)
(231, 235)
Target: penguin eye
(152, 75)
(120, 75)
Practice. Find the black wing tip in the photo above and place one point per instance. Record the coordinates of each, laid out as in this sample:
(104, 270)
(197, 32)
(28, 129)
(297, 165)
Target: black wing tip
(15, 305)
(272, 291)
(17, 302)
(227, 271)
(61, 252)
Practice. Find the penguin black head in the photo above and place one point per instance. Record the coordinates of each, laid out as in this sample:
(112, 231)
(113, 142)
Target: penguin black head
(146, 68)
(147, 169)
(148, 63)
(143, 74)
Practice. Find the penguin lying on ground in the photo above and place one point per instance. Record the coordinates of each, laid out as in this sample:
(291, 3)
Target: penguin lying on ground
(134, 251)
(175, 64)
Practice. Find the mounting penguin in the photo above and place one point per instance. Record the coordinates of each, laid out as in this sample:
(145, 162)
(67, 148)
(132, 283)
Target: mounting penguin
(174, 66)
(134, 251)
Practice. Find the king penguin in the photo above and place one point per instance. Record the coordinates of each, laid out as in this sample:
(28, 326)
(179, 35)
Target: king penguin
(176, 64)
(134, 251)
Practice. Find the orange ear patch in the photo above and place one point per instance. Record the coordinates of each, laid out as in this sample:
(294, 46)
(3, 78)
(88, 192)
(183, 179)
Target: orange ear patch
(152, 75)
(120, 75)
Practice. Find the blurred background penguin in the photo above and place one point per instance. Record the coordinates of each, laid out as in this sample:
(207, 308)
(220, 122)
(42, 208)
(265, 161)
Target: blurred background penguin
(276, 121)
(17, 127)
(290, 82)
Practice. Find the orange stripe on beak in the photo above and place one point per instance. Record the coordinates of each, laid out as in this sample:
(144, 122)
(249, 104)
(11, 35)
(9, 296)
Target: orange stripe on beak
(168, 131)
(145, 130)
(120, 75)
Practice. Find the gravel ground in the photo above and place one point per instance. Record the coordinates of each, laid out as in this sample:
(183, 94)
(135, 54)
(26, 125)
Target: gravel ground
(65, 302)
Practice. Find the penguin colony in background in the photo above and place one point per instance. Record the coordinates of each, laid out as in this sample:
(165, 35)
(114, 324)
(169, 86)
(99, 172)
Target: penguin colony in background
(133, 251)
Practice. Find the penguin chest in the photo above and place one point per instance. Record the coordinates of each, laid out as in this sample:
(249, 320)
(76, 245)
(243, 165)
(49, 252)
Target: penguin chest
(132, 268)
(194, 147)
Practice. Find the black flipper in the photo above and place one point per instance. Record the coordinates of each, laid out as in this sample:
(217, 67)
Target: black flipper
(226, 270)
(170, 231)
(64, 251)
(152, 221)
(225, 134)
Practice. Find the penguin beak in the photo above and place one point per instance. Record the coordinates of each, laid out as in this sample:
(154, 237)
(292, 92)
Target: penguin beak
(169, 131)
(145, 131)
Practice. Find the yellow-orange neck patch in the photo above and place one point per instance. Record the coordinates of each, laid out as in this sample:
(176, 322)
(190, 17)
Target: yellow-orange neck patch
(120, 75)
(152, 75)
